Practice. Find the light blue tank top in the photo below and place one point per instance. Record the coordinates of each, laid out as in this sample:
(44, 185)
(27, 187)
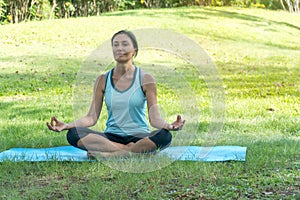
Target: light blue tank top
(126, 109)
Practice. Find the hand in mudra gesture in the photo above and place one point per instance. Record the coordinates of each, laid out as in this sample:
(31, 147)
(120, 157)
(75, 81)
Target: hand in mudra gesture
(178, 124)
(56, 125)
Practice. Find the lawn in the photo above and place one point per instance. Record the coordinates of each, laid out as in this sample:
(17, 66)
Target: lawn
(257, 57)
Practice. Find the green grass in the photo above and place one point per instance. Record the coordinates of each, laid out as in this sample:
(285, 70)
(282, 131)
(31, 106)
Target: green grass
(257, 54)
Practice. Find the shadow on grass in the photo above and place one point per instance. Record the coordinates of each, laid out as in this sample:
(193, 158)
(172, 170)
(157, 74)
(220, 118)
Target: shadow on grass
(260, 80)
(202, 13)
(240, 39)
(160, 12)
(245, 17)
(29, 77)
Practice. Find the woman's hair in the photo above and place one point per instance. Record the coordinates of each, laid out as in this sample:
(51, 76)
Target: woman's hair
(132, 38)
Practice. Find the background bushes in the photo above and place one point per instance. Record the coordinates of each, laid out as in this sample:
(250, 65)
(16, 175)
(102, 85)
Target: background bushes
(14, 11)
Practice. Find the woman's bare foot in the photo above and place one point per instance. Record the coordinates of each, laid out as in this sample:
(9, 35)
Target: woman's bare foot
(101, 155)
(129, 145)
(90, 155)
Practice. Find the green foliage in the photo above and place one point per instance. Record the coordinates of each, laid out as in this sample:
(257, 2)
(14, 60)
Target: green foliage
(167, 3)
(2, 8)
(3, 17)
(127, 4)
(265, 4)
(271, 4)
(16, 11)
(40, 10)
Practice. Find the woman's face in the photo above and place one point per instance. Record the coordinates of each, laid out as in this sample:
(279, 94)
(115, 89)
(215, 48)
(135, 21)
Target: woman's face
(123, 49)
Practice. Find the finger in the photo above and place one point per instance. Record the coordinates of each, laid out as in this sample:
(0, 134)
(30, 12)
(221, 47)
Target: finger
(52, 119)
(177, 127)
(50, 127)
(55, 119)
(181, 127)
(178, 118)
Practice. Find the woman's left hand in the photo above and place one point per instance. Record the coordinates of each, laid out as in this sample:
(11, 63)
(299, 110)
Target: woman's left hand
(178, 124)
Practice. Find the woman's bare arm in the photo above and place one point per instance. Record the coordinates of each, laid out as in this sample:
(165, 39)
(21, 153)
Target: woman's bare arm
(93, 114)
(149, 87)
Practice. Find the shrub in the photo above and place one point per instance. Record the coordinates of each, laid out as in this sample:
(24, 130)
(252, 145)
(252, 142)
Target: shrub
(12, 11)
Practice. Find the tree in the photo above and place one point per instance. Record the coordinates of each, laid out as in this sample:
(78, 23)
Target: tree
(293, 5)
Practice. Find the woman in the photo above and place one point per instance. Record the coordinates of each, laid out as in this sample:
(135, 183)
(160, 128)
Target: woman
(126, 89)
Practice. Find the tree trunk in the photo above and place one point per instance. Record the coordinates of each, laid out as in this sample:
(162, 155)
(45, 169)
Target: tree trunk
(15, 12)
(52, 12)
(296, 6)
(290, 6)
(282, 4)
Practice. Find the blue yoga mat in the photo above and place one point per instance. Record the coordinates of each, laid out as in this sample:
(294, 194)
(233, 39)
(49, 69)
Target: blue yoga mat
(70, 153)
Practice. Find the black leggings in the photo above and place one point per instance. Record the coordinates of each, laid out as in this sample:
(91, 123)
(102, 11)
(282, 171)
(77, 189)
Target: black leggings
(162, 138)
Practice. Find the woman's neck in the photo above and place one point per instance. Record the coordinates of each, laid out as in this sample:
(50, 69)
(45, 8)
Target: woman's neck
(124, 68)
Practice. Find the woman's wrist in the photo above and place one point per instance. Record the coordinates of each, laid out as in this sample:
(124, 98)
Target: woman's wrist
(68, 126)
(168, 126)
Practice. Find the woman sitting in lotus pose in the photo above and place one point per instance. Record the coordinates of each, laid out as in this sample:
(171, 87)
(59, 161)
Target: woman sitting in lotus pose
(126, 90)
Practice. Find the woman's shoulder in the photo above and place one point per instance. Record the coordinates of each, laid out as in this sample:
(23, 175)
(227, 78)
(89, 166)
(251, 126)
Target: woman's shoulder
(101, 77)
(101, 80)
(145, 74)
(104, 75)
(146, 77)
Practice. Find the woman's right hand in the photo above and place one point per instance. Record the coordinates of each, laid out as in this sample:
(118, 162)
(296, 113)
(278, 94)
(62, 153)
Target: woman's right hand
(56, 125)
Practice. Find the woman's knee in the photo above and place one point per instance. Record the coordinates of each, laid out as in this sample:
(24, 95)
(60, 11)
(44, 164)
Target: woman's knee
(167, 135)
(162, 138)
(73, 136)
